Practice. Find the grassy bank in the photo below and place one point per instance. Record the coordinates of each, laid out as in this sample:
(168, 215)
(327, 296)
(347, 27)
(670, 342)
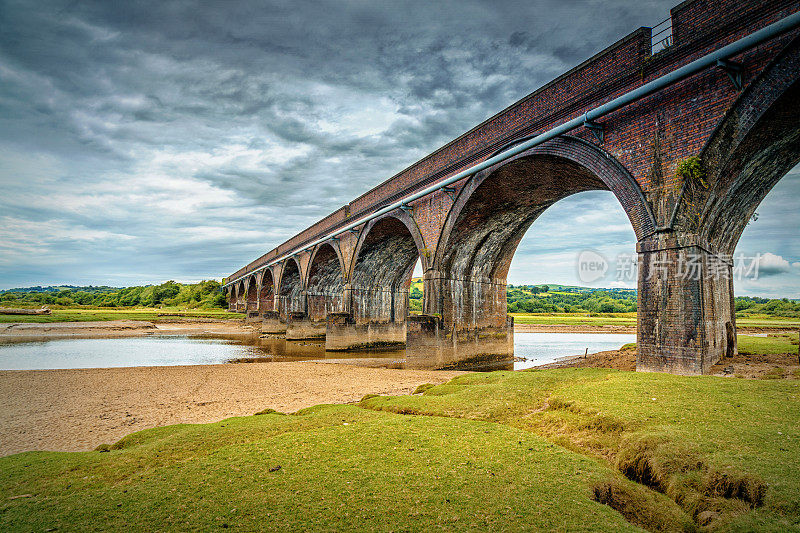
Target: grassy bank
(725, 450)
(629, 319)
(771, 344)
(572, 449)
(336, 467)
(150, 315)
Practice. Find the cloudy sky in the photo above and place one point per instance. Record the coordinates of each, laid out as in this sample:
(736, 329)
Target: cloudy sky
(146, 141)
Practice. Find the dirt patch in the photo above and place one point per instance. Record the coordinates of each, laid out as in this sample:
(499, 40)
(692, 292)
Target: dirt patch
(79, 409)
(761, 366)
(617, 359)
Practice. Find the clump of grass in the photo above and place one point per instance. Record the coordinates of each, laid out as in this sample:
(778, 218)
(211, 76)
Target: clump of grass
(269, 412)
(774, 373)
(604, 424)
(745, 487)
(677, 470)
(692, 169)
(103, 448)
(369, 397)
(563, 405)
(424, 387)
(641, 507)
(631, 346)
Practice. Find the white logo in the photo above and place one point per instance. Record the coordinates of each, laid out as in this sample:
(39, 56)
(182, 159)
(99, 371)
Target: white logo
(591, 266)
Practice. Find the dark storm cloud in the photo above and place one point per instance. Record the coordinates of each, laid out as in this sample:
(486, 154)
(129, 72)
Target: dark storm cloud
(151, 140)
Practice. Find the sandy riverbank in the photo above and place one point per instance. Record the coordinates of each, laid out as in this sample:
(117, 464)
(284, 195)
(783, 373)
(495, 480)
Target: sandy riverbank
(25, 332)
(761, 366)
(79, 409)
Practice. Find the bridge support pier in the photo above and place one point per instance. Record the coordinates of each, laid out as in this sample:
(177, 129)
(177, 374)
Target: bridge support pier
(465, 326)
(430, 344)
(300, 327)
(273, 323)
(686, 312)
(343, 334)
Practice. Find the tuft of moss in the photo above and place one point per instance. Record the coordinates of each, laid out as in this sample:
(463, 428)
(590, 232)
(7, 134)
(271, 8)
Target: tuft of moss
(369, 397)
(103, 448)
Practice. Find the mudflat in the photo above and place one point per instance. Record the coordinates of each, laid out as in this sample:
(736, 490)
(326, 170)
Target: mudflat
(71, 410)
(32, 331)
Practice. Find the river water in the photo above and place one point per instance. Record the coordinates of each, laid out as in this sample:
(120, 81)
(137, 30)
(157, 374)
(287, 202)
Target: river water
(531, 349)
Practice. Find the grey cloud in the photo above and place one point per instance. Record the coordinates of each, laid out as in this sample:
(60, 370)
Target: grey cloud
(135, 123)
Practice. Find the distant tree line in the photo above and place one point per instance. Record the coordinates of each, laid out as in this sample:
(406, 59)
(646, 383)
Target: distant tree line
(544, 299)
(521, 298)
(203, 295)
(753, 305)
(570, 299)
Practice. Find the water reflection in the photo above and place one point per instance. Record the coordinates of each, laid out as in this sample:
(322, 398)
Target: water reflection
(532, 349)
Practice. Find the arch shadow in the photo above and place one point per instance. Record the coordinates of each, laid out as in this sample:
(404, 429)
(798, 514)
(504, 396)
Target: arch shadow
(290, 291)
(325, 283)
(381, 267)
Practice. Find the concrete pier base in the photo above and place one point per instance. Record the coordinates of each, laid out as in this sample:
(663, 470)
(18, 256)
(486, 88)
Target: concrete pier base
(343, 334)
(430, 345)
(272, 323)
(300, 327)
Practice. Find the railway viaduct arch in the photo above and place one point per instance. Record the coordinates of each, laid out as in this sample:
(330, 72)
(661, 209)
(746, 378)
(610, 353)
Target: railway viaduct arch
(737, 125)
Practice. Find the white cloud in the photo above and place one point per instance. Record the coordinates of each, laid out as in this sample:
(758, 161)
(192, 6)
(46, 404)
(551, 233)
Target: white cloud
(770, 264)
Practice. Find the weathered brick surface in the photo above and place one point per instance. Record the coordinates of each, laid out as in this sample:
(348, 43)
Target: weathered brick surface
(747, 140)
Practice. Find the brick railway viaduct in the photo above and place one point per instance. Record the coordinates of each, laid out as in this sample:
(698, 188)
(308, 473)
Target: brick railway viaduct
(738, 119)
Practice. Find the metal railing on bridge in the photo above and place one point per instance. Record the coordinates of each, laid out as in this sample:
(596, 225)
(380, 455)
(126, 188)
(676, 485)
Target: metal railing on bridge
(661, 36)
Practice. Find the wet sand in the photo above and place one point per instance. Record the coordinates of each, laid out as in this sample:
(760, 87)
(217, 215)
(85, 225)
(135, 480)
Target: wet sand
(72, 410)
(27, 332)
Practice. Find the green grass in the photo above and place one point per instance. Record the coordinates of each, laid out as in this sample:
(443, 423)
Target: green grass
(89, 315)
(766, 321)
(774, 343)
(341, 468)
(691, 438)
(576, 319)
